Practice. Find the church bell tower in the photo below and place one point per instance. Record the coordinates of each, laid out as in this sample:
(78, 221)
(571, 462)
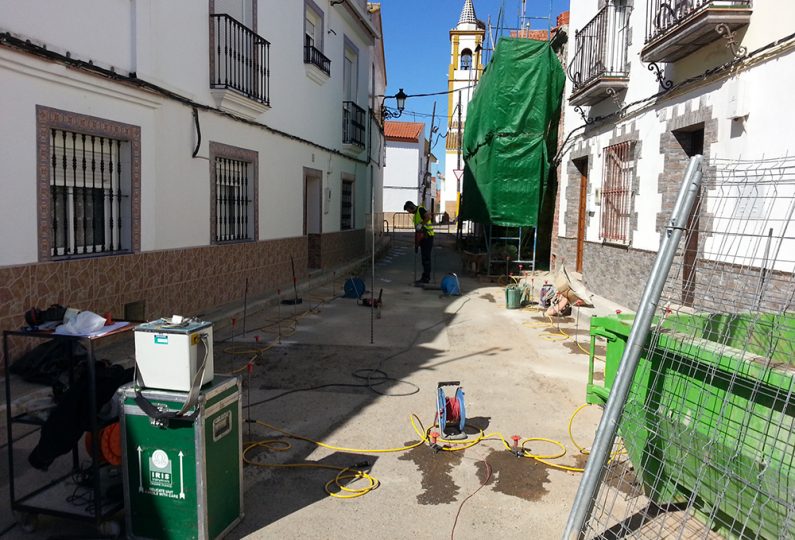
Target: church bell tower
(466, 50)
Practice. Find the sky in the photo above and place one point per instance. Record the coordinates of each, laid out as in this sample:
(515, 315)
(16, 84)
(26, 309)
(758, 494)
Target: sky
(417, 48)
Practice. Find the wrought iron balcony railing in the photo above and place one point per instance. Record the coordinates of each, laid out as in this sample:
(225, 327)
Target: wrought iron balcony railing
(675, 28)
(240, 59)
(353, 123)
(601, 48)
(316, 58)
(664, 15)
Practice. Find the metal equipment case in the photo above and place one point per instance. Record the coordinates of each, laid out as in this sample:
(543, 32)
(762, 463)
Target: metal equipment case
(183, 478)
(168, 355)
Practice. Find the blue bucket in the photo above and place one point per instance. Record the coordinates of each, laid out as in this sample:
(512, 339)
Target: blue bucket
(450, 285)
(354, 287)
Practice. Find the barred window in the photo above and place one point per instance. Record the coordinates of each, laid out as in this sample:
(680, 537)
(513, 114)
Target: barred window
(233, 200)
(617, 193)
(346, 220)
(89, 194)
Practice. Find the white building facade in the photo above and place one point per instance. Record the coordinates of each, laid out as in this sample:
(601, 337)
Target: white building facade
(183, 146)
(406, 165)
(464, 71)
(645, 92)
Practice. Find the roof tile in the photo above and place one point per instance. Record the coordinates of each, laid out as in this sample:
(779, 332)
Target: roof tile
(403, 131)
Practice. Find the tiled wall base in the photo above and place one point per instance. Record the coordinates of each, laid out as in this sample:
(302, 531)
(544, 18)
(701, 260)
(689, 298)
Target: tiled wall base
(181, 281)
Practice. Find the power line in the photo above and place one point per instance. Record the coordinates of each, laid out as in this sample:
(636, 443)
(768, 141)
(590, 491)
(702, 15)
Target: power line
(427, 94)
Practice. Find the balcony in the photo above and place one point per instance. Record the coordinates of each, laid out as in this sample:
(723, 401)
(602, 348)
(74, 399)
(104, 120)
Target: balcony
(599, 65)
(316, 58)
(676, 28)
(353, 124)
(239, 66)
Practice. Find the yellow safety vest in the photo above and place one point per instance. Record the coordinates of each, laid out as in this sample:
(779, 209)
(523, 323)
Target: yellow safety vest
(427, 228)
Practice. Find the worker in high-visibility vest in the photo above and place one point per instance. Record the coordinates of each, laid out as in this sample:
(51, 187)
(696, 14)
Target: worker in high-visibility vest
(423, 237)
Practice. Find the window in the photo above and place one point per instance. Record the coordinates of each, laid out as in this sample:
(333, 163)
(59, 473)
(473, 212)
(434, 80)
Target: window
(617, 193)
(234, 193)
(466, 59)
(313, 40)
(87, 192)
(313, 26)
(346, 214)
(88, 185)
(350, 72)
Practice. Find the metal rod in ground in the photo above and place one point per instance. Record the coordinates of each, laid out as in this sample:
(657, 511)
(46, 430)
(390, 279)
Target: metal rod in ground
(248, 399)
(279, 316)
(433, 265)
(245, 306)
(606, 432)
(415, 264)
(296, 300)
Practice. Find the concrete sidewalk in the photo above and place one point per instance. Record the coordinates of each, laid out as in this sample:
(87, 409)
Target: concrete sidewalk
(520, 374)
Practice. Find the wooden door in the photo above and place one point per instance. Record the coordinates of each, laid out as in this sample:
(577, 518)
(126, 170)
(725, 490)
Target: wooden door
(581, 215)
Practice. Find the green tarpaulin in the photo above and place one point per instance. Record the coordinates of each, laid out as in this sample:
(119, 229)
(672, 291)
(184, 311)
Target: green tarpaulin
(510, 134)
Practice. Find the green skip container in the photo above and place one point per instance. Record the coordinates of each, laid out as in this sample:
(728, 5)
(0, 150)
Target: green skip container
(183, 480)
(710, 416)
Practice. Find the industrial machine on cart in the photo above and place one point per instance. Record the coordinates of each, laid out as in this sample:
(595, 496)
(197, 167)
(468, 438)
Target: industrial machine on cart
(181, 433)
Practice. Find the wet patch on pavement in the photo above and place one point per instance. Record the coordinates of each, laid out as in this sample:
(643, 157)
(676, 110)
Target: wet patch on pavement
(437, 481)
(518, 477)
(489, 297)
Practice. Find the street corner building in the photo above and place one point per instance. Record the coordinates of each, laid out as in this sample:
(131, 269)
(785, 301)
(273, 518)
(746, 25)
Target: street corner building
(179, 152)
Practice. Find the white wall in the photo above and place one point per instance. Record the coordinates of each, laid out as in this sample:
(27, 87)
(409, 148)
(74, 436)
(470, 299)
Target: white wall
(166, 43)
(761, 91)
(401, 175)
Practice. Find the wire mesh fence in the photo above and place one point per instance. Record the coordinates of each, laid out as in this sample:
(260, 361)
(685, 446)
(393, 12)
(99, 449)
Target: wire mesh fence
(705, 446)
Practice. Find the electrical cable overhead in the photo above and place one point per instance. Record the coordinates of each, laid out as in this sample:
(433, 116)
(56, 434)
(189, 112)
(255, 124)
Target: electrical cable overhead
(427, 94)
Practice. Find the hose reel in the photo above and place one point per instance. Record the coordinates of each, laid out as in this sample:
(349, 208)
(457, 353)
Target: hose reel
(450, 411)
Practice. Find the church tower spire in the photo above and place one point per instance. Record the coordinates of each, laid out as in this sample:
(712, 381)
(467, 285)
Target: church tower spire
(468, 14)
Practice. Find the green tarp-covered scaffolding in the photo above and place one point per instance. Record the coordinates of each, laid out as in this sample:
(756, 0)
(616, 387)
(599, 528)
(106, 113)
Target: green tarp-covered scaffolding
(510, 135)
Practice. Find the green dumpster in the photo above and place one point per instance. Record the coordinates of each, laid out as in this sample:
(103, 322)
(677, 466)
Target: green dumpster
(710, 415)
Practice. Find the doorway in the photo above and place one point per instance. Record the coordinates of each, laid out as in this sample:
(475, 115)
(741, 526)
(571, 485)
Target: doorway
(692, 142)
(313, 211)
(582, 167)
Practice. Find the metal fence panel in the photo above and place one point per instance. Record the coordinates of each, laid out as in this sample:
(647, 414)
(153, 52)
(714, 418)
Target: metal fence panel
(706, 436)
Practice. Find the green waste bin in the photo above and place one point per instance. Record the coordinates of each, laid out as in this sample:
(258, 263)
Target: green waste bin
(183, 480)
(710, 381)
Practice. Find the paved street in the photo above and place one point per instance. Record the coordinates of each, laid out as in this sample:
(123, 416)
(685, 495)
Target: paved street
(520, 375)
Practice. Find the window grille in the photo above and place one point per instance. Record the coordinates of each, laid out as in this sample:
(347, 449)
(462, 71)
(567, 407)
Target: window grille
(617, 193)
(89, 204)
(346, 221)
(233, 200)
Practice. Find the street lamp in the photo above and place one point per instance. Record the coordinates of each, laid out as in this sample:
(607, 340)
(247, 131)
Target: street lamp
(400, 99)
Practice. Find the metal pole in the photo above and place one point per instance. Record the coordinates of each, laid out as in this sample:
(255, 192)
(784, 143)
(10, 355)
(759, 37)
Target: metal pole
(245, 307)
(606, 432)
(372, 254)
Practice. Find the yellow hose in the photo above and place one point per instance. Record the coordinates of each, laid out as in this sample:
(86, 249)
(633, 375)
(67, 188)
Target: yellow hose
(337, 487)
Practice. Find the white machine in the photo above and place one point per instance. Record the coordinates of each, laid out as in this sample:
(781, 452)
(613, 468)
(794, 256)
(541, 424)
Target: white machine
(170, 353)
